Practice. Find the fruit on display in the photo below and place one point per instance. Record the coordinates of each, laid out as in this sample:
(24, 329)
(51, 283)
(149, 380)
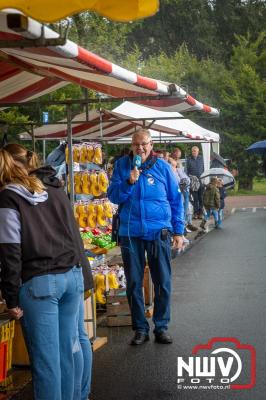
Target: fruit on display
(86, 235)
(86, 183)
(101, 219)
(92, 216)
(81, 211)
(83, 220)
(83, 154)
(99, 280)
(96, 232)
(77, 183)
(104, 241)
(80, 208)
(107, 209)
(76, 214)
(90, 152)
(95, 190)
(76, 154)
(98, 213)
(97, 157)
(103, 182)
(86, 153)
(112, 280)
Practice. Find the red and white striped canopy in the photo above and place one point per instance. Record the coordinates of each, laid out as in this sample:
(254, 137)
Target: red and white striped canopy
(116, 124)
(27, 73)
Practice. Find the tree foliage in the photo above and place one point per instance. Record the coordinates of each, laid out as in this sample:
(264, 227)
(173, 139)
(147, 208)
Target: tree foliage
(215, 49)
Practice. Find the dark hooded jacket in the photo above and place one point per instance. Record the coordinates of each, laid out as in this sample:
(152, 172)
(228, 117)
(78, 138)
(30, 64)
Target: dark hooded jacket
(38, 235)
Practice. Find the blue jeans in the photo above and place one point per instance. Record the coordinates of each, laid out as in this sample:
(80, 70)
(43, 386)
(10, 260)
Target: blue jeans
(50, 305)
(186, 200)
(82, 360)
(159, 259)
(220, 216)
(209, 212)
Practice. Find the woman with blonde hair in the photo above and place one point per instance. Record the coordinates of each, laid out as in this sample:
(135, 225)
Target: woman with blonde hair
(41, 276)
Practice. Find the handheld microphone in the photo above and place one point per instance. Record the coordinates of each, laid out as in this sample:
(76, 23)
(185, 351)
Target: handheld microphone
(137, 161)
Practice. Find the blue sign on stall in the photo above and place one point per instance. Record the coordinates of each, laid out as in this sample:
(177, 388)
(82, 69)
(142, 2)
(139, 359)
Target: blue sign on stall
(45, 117)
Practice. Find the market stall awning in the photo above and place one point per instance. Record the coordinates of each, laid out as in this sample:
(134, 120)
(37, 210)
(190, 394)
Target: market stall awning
(122, 123)
(26, 73)
(51, 11)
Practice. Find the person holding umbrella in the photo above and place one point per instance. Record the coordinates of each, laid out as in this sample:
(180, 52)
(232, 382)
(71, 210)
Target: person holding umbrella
(211, 202)
(223, 195)
(260, 149)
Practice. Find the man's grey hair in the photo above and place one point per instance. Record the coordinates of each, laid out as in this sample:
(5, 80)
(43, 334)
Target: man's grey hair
(142, 131)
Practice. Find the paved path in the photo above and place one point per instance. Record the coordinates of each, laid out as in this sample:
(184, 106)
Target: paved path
(218, 291)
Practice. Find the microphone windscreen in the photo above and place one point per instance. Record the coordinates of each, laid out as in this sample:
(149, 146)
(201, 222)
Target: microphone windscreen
(137, 161)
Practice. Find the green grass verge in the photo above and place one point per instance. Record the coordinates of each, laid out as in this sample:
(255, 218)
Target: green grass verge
(259, 189)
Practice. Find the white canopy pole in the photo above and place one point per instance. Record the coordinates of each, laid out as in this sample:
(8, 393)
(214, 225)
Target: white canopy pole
(206, 152)
(216, 147)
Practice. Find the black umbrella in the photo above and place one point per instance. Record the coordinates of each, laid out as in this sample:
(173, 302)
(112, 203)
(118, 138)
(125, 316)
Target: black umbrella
(258, 148)
(217, 161)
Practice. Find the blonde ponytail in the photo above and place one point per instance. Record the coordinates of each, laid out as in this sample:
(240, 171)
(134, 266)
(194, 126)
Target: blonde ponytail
(13, 171)
(32, 160)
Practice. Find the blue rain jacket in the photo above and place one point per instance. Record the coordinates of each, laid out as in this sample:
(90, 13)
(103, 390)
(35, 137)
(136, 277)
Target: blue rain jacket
(152, 203)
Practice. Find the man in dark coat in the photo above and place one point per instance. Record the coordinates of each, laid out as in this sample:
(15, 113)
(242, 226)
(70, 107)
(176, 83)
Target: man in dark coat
(195, 167)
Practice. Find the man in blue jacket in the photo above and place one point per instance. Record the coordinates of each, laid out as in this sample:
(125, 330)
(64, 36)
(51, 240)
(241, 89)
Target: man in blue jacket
(151, 210)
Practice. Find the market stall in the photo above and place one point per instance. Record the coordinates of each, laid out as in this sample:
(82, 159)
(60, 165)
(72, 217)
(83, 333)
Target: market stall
(37, 71)
(118, 125)
(28, 72)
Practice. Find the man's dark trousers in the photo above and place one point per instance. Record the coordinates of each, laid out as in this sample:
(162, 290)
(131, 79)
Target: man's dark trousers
(159, 260)
(198, 201)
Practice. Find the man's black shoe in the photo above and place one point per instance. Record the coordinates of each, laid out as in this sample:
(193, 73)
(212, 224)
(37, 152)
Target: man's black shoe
(163, 338)
(139, 338)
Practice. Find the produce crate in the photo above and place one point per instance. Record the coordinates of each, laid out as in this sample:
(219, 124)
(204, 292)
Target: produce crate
(89, 315)
(3, 361)
(118, 311)
(7, 329)
(20, 355)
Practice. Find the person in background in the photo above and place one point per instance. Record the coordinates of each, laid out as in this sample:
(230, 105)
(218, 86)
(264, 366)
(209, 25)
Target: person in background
(173, 164)
(195, 167)
(57, 156)
(190, 216)
(184, 183)
(166, 155)
(40, 246)
(160, 153)
(176, 154)
(211, 201)
(223, 195)
(151, 211)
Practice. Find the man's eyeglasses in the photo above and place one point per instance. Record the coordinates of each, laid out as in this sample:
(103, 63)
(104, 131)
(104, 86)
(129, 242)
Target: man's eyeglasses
(144, 144)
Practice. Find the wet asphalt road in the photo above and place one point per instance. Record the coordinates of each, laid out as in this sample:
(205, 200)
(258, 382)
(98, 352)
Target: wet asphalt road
(219, 290)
